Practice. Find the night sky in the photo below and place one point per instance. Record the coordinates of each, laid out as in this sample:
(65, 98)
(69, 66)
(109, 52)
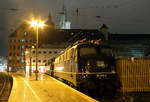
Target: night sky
(121, 16)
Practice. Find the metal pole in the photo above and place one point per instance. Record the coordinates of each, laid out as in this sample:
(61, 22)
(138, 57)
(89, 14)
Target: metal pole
(30, 62)
(36, 73)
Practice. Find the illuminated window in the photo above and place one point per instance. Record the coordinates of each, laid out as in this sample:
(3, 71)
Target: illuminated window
(22, 47)
(22, 53)
(22, 61)
(22, 40)
(25, 34)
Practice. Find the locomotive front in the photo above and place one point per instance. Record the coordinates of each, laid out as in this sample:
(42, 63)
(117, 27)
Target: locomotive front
(98, 77)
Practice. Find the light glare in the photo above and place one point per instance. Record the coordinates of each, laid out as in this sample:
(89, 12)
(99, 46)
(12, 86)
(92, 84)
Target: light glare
(41, 24)
(33, 23)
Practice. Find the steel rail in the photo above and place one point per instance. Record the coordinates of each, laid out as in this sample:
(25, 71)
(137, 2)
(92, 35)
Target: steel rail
(4, 85)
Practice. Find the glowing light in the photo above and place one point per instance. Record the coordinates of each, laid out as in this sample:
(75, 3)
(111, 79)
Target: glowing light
(41, 24)
(42, 69)
(27, 68)
(26, 52)
(59, 68)
(33, 23)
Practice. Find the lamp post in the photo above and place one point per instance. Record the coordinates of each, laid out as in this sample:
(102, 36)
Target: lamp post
(36, 25)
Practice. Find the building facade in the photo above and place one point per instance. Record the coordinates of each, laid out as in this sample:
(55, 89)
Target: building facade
(44, 55)
(17, 45)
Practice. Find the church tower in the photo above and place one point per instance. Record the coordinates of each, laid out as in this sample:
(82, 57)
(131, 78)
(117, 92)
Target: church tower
(104, 30)
(49, 21)
(64, 23)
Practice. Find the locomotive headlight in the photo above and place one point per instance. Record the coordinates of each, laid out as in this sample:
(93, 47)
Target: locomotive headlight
(101, 64)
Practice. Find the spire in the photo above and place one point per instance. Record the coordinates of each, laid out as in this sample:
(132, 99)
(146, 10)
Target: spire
(49, 21)
(64, 10)
(64, 23)
(104, 26)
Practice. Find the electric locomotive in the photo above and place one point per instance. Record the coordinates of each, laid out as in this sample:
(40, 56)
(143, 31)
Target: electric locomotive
(90, 68)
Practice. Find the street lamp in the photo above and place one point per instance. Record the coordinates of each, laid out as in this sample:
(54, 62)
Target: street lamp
(37, 24)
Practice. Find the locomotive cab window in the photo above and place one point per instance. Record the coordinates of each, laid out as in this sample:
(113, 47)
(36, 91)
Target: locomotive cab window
(107, 51)
(87, 51)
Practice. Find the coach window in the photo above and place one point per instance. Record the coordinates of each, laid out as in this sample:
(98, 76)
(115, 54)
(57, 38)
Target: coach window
(33, 60)
(39, 52)
(55, 52)
(50, 52)
(44, 61)
(75, 55)
(44, 52)
(39, 61)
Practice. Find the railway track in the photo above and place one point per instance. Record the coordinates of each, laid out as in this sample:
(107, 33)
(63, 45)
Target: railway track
(5, 86)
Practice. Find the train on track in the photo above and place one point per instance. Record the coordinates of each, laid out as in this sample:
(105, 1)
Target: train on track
(88, 67)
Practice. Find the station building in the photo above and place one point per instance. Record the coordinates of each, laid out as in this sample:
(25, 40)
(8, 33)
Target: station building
(45, 53)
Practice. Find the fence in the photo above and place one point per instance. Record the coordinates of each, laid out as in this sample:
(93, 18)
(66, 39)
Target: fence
(134, 74)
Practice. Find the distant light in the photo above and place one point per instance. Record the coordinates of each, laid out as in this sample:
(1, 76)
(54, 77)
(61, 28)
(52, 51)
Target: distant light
(33, 47)
(26, 52)
(22, 40)
(41, 24)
